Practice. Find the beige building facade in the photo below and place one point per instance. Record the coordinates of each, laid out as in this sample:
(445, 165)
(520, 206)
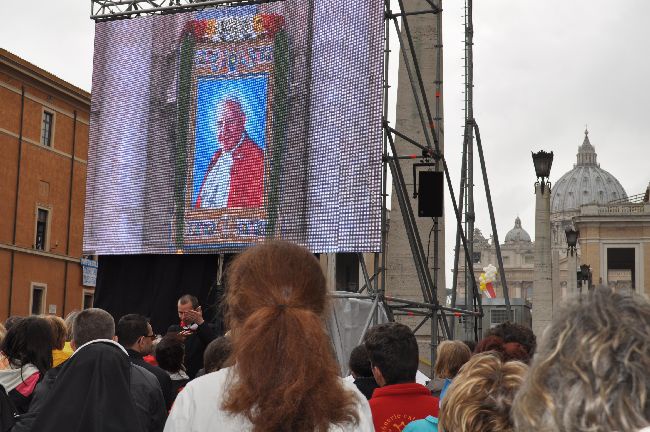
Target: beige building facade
(615, 243)
(44, 142)
(518, 260)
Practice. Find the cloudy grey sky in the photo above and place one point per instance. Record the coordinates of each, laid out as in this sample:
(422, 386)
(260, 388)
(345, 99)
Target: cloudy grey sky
(56, 35)
(542, 71)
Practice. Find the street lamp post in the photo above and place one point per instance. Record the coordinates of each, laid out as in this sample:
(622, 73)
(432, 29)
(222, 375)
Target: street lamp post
(585, 276)
(542, 286)
(572, 260)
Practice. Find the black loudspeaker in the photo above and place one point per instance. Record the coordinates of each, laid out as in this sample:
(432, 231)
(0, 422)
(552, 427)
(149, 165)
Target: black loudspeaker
(430, 194)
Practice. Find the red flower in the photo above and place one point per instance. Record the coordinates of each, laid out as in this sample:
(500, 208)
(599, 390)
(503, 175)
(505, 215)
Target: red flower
(199, 27)
(196, 28)
(272, 23)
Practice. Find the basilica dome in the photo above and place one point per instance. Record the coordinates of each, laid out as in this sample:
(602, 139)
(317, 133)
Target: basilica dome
(586, 183)
(517, 234)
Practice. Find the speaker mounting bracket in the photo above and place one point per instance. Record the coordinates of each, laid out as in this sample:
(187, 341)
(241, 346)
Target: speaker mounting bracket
(415, 174)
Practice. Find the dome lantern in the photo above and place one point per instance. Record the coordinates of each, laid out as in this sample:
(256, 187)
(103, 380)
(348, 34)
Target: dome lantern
(586, 152)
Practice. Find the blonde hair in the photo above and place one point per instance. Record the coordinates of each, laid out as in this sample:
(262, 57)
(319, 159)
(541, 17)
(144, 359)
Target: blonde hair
(591, 369)
(59, 330)
(69, 322)
(450, 357)
(481, 395)
(3, 332)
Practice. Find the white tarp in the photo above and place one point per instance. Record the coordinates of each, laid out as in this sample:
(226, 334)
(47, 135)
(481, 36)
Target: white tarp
(346, 324)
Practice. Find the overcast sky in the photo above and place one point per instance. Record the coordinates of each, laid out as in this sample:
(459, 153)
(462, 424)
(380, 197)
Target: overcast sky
(542, 71)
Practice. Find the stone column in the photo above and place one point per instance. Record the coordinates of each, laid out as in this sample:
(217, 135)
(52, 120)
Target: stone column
(572, 268)
(328, 264)
(555, 275)
(330, 275)
(542, 286)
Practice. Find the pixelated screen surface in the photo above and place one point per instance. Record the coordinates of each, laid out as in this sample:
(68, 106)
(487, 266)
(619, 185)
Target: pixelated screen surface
(212, 130)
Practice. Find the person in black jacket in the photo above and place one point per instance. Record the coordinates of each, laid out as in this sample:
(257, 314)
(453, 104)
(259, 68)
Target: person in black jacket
(8, 412)
(170, 353)
(196, 332)
(97, 389)
(362, 372)
(134, 333)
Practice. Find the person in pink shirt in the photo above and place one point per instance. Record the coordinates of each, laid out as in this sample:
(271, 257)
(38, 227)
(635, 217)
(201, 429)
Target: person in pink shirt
(28, 348)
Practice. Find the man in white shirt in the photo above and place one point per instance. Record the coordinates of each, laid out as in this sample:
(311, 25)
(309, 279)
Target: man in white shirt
(235, 175)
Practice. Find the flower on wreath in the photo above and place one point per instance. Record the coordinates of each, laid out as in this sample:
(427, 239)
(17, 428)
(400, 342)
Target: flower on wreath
(196, 28)
(268, 23)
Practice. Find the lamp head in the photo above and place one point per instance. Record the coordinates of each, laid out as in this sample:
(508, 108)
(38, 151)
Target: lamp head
(571, 236)
(543, 162)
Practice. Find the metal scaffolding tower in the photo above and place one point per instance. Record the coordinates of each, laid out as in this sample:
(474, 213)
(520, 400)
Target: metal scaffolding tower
(466, 198)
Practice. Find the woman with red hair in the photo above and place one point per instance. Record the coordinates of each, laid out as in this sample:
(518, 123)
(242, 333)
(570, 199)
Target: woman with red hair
(512, 341)
(285, 377)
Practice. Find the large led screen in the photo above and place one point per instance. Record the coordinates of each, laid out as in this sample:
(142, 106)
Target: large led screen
(213, 130)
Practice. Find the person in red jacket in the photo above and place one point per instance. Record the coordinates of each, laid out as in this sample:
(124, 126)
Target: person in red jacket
(235, 174)
(393, 353)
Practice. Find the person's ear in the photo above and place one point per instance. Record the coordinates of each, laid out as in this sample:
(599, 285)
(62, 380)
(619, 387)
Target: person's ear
(379, 377)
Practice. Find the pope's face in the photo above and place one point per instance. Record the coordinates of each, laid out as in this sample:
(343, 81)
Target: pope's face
(230, 125)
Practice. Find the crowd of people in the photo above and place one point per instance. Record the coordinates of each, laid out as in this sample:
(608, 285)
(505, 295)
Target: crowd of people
(275, 369)
(60, 374)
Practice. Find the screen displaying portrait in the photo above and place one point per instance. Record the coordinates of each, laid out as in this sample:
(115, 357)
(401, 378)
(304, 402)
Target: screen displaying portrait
(213, 130)
(229, 142)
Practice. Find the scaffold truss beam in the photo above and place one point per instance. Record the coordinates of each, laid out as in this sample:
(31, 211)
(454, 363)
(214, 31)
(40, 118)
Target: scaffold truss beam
(109, 10)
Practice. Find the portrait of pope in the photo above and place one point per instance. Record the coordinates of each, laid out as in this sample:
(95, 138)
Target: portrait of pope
(235, 174)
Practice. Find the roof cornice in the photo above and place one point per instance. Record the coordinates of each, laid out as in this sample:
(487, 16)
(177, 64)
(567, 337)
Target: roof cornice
(32, 71)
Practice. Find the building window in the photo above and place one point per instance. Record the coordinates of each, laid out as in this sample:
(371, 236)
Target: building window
(621, 268)
(42, 217)
(347, 272)
(46, 129)
(37, 301)
(88, 299)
